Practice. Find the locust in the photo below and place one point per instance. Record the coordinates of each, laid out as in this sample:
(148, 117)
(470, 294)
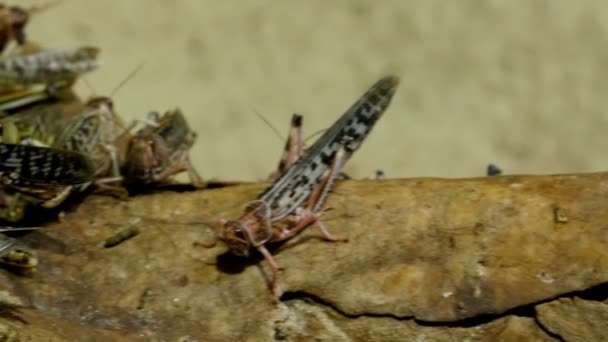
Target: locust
(80, 131)
(31, 174)
(55, 68)
(95, 133)
(160, 150)
(296, 199)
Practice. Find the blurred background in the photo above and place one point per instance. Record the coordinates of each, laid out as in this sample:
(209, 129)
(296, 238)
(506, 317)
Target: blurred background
(518, 83)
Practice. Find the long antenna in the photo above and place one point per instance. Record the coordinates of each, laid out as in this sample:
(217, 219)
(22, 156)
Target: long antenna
(126, 79)
(44, 7)
(315, 134)
(267, 122)
(16, 229)
(88, 84)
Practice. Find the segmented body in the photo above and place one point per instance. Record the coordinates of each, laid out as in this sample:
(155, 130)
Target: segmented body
(94, 132)
(296, 184)
(296, 199)
(79, 129)
(84, 130)
(58, 67)
(160, 150)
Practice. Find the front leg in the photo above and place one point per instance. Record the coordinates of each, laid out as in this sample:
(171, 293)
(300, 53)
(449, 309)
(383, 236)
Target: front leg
(180, 164)
(274, 270)
(111, 186)
(195, 178)
(305, 217)
(59, 198)
(112, 153)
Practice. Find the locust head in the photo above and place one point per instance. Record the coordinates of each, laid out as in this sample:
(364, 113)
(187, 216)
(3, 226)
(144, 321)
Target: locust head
(236, 238)
(102, 103)
(253, 229)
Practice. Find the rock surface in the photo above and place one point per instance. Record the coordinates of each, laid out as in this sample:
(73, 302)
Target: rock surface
(498, 257)
(575, 319)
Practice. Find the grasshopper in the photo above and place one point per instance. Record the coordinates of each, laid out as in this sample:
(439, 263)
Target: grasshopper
(160, 150)
(296, 199)
(56, 68)
(32, 174)
(95, 133)
(82, 132)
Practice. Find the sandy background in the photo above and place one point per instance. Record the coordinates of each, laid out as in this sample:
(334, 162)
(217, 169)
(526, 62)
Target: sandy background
(519, 83)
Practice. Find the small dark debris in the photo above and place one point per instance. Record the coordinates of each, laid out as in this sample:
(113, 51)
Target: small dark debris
(559, 216)
(493, 170)
(121, 237)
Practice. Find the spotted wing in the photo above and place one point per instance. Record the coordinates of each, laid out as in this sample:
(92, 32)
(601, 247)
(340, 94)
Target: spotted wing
(296, 184)
(24, 165)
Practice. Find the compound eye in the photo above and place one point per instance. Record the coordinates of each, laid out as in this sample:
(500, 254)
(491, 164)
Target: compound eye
(239, 233)
(234, 230)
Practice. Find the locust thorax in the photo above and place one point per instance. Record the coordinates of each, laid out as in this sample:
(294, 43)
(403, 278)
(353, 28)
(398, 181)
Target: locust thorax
(253, 229)
(146, 157)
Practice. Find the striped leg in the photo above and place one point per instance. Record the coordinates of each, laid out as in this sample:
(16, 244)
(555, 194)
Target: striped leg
(305, 217)
(294, 147)
(315, 206)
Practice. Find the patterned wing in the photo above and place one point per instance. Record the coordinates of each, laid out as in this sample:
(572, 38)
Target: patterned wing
(296, 184)
(24, 165)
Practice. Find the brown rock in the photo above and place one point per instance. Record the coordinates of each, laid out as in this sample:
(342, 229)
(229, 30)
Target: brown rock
(21, 325)
(461, 257)
(306, 321)
(446, 250)
(575, 319)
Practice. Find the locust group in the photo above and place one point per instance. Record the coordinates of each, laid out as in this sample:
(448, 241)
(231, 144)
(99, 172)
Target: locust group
(53, 144)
